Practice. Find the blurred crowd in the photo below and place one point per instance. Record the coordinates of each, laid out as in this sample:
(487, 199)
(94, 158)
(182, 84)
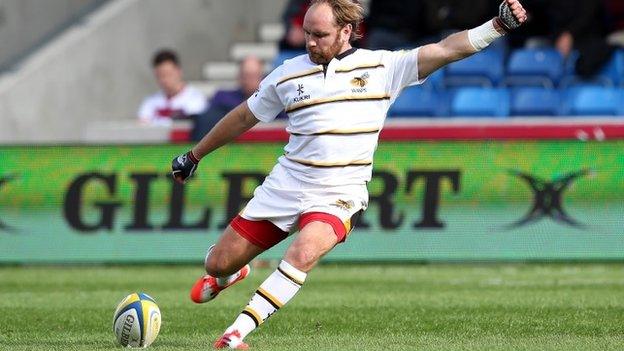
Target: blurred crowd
(590, 30)
(593, 28)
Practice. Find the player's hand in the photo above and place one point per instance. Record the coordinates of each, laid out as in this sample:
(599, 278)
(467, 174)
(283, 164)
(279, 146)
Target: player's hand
(511, 15)
(183, 167)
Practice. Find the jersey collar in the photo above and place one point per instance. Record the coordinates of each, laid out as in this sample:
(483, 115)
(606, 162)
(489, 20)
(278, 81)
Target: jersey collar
(345, 54)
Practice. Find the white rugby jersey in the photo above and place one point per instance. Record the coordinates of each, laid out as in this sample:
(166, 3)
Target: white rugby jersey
(160, 110)
(335, 113)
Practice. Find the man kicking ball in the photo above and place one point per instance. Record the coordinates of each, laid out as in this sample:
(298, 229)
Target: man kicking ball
(336, 98)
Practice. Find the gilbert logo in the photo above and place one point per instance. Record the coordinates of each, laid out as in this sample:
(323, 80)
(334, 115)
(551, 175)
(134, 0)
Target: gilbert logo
(547, 198)
(360, 82)
(4, 181)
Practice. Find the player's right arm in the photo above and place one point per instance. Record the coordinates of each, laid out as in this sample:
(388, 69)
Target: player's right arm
(233, 124)
(263, 106)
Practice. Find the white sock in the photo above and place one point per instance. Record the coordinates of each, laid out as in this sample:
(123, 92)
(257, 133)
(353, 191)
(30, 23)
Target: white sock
(272, 294)
(227, 280)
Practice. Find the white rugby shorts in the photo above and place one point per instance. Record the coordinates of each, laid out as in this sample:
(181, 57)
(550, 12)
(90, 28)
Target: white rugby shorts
(282, 199)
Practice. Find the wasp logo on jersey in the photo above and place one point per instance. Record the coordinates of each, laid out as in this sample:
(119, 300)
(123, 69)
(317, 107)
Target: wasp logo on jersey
(360, 82)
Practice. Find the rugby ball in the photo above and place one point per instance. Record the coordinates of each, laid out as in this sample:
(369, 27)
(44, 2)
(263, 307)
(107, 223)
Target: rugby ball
(136, 321)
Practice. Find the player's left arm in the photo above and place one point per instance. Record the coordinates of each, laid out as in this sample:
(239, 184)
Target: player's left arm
(463, 44)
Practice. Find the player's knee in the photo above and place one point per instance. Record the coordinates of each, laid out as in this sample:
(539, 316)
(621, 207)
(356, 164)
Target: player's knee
(219, 265)
(302, 258)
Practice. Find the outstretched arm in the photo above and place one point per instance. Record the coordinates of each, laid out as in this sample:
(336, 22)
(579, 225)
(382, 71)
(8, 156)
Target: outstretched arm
(235, 123)
(463, 44)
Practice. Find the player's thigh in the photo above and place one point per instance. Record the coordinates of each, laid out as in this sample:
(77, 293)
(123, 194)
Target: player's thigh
(231, 253)
(313, 241)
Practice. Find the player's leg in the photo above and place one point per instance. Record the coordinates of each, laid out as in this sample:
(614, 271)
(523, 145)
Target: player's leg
(315, 239)
(227, 262)
(231, 253)
(248, 235)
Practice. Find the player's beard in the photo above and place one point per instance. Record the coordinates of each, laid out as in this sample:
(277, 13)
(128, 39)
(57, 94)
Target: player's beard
(322, 57)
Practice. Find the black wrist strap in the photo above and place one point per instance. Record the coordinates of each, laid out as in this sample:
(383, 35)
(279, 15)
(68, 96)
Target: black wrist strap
(192, 157)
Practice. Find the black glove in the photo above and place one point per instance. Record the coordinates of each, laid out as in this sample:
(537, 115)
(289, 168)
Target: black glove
(184, 166)
(506, 18)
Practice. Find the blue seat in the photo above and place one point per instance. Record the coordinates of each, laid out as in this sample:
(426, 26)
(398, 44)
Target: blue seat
(611, 74)
(531, 67)
(493, 102)
(285, 55)
(416, 101)
(614, 68)
(535, 101)
(591, 100)
(485, 69)
(435, 81)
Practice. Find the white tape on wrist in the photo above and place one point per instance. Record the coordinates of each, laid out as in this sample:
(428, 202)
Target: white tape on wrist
(481, 36)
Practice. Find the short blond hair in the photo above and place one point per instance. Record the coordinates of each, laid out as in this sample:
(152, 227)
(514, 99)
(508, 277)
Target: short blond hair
(345, 12)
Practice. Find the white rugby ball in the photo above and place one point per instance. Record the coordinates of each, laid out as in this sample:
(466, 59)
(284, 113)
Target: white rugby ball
(136, 321)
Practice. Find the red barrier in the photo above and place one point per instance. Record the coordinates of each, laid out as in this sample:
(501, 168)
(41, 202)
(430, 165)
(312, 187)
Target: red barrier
(463, 129)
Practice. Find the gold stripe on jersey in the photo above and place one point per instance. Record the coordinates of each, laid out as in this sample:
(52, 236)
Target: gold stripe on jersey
(253, 314)
(310, 72)
(269, 298)
(330, 164)
(351, 69)
(315, 102)
(341, 132)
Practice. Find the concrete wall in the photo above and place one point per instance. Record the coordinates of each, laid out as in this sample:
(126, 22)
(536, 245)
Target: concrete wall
(26, 23)
(99, 69)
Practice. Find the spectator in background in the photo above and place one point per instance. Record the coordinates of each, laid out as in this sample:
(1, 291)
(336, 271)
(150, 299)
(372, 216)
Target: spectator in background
(444, 16)
(175, 100)
(292, 18)
(615, 20)
(582, 25)
(395, 24)
(251, 72)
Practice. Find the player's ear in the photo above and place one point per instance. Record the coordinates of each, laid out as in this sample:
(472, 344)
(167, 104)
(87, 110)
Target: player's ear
(346, 32)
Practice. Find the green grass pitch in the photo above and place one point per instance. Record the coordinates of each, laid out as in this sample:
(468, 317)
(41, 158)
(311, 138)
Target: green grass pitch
(341, 307)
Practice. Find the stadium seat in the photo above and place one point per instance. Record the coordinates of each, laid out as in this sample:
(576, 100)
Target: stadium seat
(285, 55)
(612, 74)
(435, 81)
(590, 100)
(416, 101)
(614, 69)
(482, 69)
(535, 101)
(534, 67)
(484, 102)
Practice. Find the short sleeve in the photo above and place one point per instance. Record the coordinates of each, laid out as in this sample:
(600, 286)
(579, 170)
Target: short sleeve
(146, 110)
(265, 103)
(403, 66)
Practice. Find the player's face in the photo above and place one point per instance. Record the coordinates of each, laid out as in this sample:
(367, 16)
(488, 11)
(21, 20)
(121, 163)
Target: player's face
(324, 39)
(169, 77)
